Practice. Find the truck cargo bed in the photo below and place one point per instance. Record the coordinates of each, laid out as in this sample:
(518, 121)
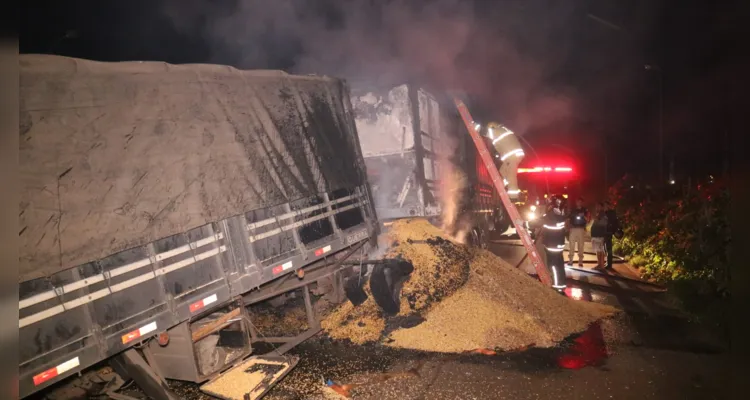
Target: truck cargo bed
(153, 192)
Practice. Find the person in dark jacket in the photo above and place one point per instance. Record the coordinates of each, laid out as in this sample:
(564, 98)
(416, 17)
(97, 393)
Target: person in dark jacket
(553, 238)
(599, 233)
(613, 227)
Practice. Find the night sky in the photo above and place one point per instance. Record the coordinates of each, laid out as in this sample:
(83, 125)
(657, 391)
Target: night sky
(562, 73)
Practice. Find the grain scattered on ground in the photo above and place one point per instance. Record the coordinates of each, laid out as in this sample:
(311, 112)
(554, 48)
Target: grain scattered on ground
(281, 321)
(468, 298)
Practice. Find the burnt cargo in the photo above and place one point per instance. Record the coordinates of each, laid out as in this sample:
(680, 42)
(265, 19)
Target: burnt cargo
(413, 142)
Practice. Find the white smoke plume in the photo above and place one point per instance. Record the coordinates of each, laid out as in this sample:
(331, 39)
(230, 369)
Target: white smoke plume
(451, 192)
(501, 56)
(504, 57)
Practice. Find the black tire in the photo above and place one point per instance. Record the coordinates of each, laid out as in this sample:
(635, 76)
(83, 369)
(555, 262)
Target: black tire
(477, 238)
(473, 238)
(353, 290)
(385, 284)
(502, 222)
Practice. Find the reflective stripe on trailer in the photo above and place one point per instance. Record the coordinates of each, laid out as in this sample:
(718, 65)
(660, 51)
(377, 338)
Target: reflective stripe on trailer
(202, 303)
(56, 371)
(319, 252)
(116, 288)
(281, 268)
(142, 331)
(71, 287)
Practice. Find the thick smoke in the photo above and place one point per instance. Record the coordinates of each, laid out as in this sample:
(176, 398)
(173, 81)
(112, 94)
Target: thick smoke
(452, 192)
(445, 44)
(452, 197)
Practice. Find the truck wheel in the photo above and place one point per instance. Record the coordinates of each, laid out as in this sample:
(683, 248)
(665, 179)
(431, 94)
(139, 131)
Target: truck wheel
(502, 222)
(477, 239)
(385, 284)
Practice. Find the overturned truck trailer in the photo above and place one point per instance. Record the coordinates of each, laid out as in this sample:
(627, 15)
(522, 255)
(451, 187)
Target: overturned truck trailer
(159, 200)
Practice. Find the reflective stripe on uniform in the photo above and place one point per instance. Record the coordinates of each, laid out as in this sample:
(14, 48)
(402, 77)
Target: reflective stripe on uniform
(557, 284)
(518, 152)
(557, 227)
(559, 247)
(501, 137)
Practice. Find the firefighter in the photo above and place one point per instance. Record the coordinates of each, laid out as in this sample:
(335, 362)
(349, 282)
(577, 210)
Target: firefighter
(553, 238)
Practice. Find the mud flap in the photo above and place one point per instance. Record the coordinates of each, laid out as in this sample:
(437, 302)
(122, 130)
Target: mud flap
(354, 291)
(250, 379)
(385, 284)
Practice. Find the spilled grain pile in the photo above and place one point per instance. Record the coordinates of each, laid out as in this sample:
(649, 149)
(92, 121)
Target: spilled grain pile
(441, 268)
(460, 299)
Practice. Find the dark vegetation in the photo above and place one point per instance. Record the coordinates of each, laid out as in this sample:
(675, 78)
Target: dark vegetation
(679, 237)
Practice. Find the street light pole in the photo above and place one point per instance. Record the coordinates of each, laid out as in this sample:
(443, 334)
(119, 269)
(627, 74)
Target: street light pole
(661, 128)
(651, 67)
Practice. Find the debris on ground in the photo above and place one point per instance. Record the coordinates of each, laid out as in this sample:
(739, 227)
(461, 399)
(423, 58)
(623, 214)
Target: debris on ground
(340, 390)
(486, 352)
(249, 379)
(461, 299)
(323, 359)
(288, 320)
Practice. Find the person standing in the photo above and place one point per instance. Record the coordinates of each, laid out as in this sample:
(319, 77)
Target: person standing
(553, 238)
(598, 234)
(613, 229)
(578, 219)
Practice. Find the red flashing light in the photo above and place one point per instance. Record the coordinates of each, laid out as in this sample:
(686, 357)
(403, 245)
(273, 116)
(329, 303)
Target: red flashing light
(544, 169)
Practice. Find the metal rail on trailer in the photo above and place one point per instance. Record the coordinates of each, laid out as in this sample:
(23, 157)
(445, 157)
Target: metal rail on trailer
(100, 309)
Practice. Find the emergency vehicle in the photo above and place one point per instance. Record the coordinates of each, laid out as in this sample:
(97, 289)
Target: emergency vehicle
(541, 178)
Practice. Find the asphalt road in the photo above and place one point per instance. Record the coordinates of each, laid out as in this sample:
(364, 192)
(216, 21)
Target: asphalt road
(623, 371)
(649, 352)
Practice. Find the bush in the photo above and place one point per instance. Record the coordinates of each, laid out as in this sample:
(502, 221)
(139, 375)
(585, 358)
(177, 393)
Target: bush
(638, 261)
(682, 239)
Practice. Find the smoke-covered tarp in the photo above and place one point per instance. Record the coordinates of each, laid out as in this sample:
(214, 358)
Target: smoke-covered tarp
(116, 155)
